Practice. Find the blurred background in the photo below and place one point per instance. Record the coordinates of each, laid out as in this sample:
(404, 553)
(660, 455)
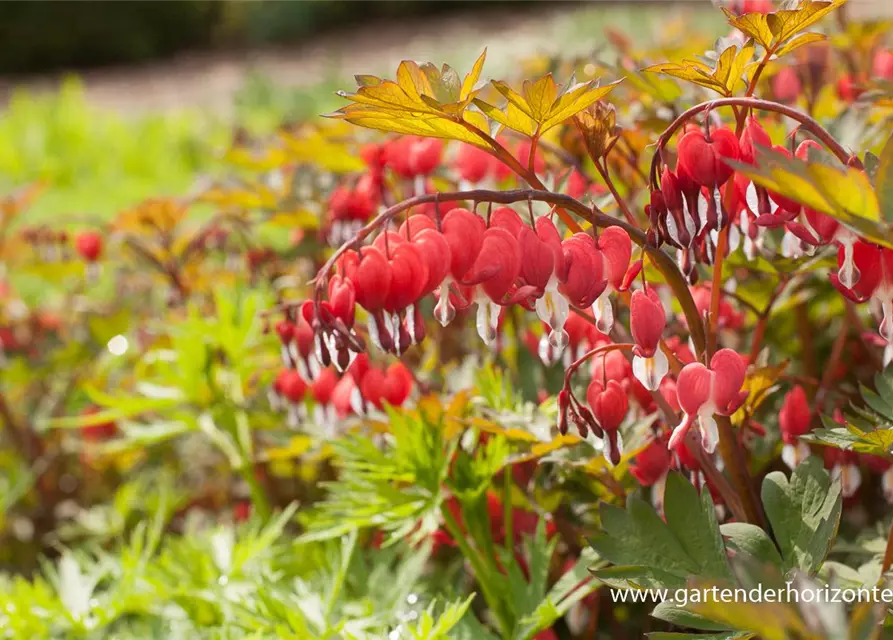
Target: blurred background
(111, 102)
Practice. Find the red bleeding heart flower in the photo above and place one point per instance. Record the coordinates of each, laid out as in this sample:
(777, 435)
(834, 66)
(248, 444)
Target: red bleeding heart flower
(409, 276)
(616, 250)
(786, 85)
(508, 219)
(753, 137)
(370, 274)
(392, 386)
(651, 464)
(543, 267)
(584, 278)
(435, 251)
(882, 65)
(464, 232)
(702, 159)
(472, 163)
(342, 299)
(609, 407)
(88, 245)
(872, 268)
(324, 386)
(495, 270)
(414, 156)
(647, 322)
(849, 88)
(291, 386)
(794, 420)
(703, 392)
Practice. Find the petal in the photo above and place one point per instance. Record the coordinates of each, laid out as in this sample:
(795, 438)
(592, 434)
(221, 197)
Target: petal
(729, 370)
(709, 430)
(693, 387)
(604, 313)
(650, 371)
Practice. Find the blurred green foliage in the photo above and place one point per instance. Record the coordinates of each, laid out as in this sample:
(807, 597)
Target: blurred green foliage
(96, 161)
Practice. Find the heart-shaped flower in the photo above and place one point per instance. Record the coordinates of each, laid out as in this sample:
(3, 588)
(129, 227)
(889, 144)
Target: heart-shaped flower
(647, 322)
(609, 407)
(584, 278)
(753, 138)
(703, 392)
(794, 420)
(702, 159)
(495, 270)
(88, 245)
(391, 387)
(472, 163)
(616, 250)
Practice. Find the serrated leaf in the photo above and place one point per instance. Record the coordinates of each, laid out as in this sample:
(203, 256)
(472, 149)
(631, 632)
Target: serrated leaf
(786, 24)
(635, 577)
(773, 30)
(844, 194)
(804, 513)
(473, 76)
(424, 101)
(799, 41)
(541, 105)
(669, 553)
(753, 25)
(512, 117)
(692, 518)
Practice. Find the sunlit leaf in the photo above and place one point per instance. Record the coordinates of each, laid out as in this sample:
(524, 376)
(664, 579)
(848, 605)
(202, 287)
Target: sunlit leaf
(845, 194)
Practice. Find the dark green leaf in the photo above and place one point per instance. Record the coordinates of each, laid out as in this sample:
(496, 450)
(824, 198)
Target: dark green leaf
(804, 513)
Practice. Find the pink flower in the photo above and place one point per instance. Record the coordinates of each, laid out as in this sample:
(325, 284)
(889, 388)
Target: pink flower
(703, 392)
(793, 421)
(647, 323)
(616, 251)
(495, 270)
(702, 159)
(473, 163)
(609, 407)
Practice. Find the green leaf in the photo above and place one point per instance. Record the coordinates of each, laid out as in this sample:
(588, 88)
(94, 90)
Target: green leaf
(673, 613)
(693, 521)
(845, 194)
(804, 513)
(799, 41)
(649, 551)
(730, 635)
(750, 539)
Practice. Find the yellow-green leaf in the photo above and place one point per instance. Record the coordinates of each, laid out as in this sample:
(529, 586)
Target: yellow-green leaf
(799, 41)
(512, 117)
(883, 181)
(786, 24)
(753, 25)
(472, 78)
(723, 78)
(575, 101)
(844, 194)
